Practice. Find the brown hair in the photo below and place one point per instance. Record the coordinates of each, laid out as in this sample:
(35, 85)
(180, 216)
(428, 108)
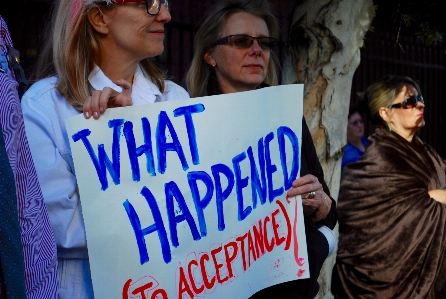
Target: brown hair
(200, 73)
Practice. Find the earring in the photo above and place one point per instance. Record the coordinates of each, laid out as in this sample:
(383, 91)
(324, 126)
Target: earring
(214, 64)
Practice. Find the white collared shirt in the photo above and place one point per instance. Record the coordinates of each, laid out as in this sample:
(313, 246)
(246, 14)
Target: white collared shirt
(144, 91)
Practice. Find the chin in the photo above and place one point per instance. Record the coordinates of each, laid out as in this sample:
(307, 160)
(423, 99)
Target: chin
(255, 80)
(155, 51)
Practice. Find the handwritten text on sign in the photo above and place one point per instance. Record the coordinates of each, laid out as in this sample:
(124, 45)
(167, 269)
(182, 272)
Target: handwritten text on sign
(187, 198)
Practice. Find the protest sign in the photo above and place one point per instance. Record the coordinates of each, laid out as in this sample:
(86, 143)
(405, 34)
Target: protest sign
(187, 198)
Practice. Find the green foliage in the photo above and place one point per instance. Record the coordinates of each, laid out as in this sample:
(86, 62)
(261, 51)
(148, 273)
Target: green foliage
(426, 18)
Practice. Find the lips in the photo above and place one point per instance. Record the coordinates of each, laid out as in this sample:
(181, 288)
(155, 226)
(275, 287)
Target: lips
(254, 66)
(158, 31)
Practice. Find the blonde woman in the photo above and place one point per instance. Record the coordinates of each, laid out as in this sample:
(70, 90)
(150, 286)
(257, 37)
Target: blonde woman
(392, 233)
(233, 53)
(100, 52)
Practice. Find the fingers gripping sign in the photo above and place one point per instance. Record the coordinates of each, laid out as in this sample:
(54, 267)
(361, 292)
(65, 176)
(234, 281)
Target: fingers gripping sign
(314, 199)
(99, 101)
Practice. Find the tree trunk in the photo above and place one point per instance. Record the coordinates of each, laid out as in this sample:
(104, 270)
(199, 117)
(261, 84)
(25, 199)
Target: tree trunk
(323, 54)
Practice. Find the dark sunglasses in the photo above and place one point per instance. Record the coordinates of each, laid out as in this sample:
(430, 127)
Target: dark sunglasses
(409, 103)
(153, 6)
(246, 41)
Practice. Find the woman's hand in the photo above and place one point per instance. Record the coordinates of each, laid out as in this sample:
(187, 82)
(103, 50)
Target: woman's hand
(99, 101)
(320, 204)
(439, 195)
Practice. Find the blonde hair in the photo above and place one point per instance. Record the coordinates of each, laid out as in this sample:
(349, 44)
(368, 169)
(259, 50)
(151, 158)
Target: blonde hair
(200, 73)
(75, 47)
(382, 93)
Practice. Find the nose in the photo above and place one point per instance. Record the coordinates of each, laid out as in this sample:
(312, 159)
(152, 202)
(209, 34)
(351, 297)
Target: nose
(255, 48)
(164, 15)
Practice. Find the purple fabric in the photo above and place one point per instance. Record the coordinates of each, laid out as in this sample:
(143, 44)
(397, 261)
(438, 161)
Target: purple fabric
(39, 247)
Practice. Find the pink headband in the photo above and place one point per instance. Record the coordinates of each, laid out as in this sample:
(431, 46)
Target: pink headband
(76, 9)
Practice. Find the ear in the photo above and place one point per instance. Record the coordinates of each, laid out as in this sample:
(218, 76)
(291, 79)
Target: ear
(209, 58)
(384, 113)
(97, 20)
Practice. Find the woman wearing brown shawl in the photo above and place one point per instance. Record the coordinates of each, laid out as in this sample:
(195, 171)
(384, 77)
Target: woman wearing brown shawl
(392, 225)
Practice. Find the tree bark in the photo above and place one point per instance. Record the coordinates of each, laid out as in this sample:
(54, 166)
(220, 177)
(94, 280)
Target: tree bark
(323, 54)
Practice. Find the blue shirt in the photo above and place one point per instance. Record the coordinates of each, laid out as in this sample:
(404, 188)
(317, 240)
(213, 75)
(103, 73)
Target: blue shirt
(352, 153)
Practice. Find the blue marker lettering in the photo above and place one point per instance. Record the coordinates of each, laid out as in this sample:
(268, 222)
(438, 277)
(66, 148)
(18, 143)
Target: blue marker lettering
(163, 146)
(201, 204)
(257, 186)
(135, 152)
(270, 169)
(281, 133)
(220, 194)
(239, 185)
(172, 191)
(102, 162)
(187, 111)
(158, 226)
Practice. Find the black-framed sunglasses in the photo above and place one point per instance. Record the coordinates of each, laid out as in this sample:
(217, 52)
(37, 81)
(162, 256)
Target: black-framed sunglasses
(153, 6)
(409, 103)
(245, 41)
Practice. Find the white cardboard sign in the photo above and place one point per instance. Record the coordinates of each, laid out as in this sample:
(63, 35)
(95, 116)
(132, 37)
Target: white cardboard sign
(187, 198)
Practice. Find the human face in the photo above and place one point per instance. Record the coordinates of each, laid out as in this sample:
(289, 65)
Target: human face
(133, 34)
(239, 69)
(355, 127)
(406, 121)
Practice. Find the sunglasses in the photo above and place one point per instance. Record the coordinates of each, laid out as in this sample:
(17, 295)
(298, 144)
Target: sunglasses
(153, 6)
(409, 103)
(246, 41)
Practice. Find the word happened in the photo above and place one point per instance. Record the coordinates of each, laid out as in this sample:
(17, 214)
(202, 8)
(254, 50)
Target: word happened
(202, 272)
(219, 181)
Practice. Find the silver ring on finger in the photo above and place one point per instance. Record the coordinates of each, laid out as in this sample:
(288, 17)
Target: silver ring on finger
(311, 194)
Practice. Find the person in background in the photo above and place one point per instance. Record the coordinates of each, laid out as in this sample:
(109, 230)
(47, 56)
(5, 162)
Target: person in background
(355, 137)
(100, 59)
(233, 53)
(28, 263)
(392, 213)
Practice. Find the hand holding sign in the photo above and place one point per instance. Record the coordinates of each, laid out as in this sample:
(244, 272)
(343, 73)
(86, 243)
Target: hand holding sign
(99, 101)
(319, 204)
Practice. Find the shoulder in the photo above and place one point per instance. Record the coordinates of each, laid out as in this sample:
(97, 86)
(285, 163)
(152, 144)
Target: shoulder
(174, 91)
(40, 88)
(349, 147)
(43, 98)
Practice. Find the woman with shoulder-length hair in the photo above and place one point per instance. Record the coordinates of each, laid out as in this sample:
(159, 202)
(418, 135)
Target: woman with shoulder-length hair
(233, 53)
(392, 232)
(100, 59)
(201, 78)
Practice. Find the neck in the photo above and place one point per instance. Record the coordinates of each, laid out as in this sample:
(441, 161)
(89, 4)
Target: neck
(230, 87)
(406, 134)
(358, 143)
(116, 72)
(117, 66)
